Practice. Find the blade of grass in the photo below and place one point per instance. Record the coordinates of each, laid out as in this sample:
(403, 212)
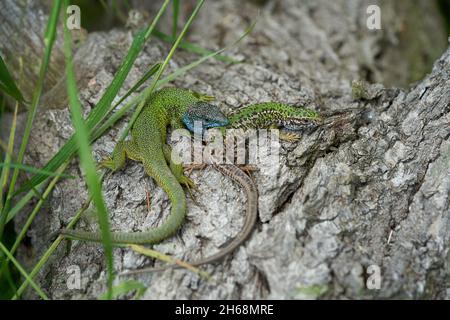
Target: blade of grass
(49, 39)
(23, 272)
(100, 110)
(152, 87)
(85, 154)
(9, 279)
(34, 170)
(184, 69)
(175, 12)
(8, 154)
(7, 83)
(125, 287)
(6, 273)
(164, 257)
(96, 134)
(193, 47)
(23, 201)
(2, 105)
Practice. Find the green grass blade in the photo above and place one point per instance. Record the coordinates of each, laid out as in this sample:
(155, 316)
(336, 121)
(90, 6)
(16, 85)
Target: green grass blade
(175, 12)
(23, 272)
(193, 47)
(5, 274)
(49, 39)
(8, 285)
(8, 155)
(86, 160)
(125, 287)
(100, 110)
(7, 84)
(34, 170)
(23, 201)
(185, 69)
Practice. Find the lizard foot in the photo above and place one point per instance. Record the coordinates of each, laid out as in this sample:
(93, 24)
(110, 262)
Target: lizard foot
(289, 136)
(107, 163)
(190, 185)
(190, 167)
(187, 182)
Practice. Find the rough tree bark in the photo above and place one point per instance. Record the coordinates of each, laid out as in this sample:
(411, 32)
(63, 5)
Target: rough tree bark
(371, 187)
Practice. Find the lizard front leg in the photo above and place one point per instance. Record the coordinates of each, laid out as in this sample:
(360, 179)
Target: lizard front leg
(122, 150)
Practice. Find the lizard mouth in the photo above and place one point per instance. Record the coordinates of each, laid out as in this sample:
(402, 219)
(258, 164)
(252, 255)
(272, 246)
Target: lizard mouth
(217, 123)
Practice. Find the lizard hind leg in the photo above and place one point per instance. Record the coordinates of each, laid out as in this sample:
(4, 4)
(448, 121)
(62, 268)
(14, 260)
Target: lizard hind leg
(122, 150)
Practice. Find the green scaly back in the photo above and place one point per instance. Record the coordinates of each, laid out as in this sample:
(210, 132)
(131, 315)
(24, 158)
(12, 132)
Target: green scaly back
(266, 114)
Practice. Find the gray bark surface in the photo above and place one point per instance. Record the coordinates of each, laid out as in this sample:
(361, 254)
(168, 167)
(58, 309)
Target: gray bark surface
(371, 187)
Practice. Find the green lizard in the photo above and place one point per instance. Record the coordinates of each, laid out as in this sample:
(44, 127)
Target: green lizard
(273, 114)
(256, 116)
(167, 107)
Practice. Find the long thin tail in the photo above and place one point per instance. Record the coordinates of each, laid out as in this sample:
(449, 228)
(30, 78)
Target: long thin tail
(172, 187)
(250, 219)
(251, 213)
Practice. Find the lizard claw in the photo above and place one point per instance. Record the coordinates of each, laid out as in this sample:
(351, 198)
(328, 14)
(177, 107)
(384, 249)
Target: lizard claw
(189, 168)
(289, 136)
(203, 97)
(187, 182)
(190, 185)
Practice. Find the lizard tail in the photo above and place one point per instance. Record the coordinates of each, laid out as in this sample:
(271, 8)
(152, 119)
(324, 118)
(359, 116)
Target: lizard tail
(251, 215)
(172, 187)
(250, 219)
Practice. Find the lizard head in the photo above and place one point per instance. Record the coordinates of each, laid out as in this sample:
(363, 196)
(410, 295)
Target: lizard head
(206, 115)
